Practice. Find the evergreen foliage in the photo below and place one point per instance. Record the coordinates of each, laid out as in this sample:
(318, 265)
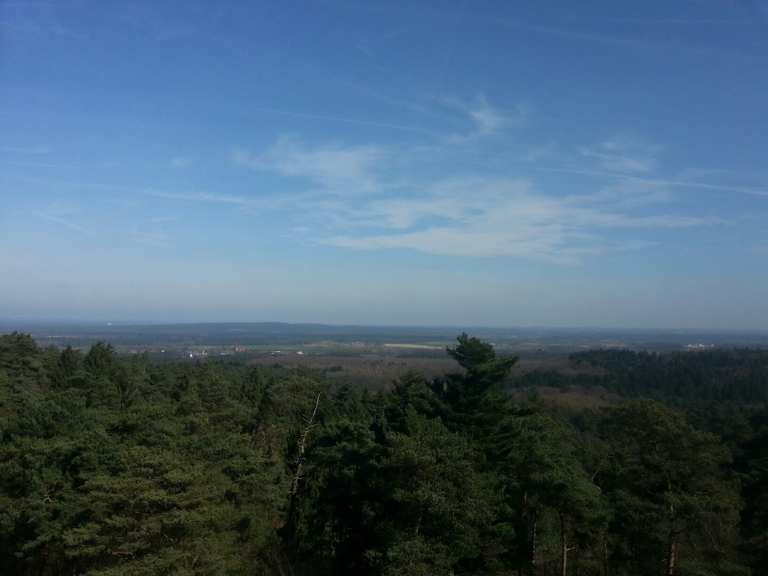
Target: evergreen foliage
(113, 465)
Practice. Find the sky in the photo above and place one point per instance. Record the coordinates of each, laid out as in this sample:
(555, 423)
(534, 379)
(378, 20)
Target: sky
(595, 164)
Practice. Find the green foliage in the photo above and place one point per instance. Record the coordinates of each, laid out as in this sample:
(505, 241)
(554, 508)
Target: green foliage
(116, 466)
(483, 370)
(694, 377)
(752, 464)
(479, 359)
(667, 485)
(440, 501)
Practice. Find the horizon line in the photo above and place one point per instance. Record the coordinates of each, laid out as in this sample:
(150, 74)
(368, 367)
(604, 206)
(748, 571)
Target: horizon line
(4, 322)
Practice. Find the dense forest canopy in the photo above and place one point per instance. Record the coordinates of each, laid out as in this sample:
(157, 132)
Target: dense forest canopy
(113, 465)
(717, 375)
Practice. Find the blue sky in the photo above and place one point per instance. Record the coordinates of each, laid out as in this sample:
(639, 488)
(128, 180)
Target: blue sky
(476, 163)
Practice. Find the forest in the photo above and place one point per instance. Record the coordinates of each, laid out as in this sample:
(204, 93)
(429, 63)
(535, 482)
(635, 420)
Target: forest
(118, 465)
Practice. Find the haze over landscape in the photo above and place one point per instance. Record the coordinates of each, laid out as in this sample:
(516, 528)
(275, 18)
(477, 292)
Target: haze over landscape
(490, 164)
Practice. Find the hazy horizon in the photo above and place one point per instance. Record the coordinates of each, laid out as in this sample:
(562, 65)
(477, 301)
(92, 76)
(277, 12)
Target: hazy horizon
(14, 323)
(425, 164)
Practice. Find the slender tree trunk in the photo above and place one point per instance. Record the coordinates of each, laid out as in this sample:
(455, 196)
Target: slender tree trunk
(563, 548)
(672, 549)
(672, 554)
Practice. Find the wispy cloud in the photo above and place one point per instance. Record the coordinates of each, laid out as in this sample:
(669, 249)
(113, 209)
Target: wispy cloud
(206, 197)
(83, 184)
(375, 197)
(49, 27)
(714, 186)
(684, 21)
(629, 192)
(503, 217)
(180, 161)
(476, 216)
(27, 164)
(25, 150)
(152, 21)
(485, 119)
(27, 4)
(576, 34)
(539, 152)
(343, 119)
(621, 156)
(366, 44)
(162, 219)
(342, 169)
(247, 203)
(62, 215)
(662, 43)
(155, 238)
(372, 197)
(153, 231)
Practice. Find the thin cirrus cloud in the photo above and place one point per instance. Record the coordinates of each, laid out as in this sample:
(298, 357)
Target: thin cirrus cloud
(650, 180)
(467, 215)
(25, 150)
(336, 167)
(487, 119)
(484, 217)
(621, 157)
(371, 196)
(204, 197)
(631, 192)
(180, 162)
(344, 120)
(353, 168)
(246, 203)
(356, 169)
(62, 216)
(484, 118)
(155, 238)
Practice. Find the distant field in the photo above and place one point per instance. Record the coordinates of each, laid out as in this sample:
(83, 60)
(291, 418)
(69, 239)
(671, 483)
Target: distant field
(231, 338)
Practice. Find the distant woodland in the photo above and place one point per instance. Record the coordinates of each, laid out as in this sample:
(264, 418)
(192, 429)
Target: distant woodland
(116, 465)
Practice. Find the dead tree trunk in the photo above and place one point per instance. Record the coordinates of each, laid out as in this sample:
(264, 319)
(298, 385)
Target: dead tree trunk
(309, 424)
(672, 547)
(564, 548)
